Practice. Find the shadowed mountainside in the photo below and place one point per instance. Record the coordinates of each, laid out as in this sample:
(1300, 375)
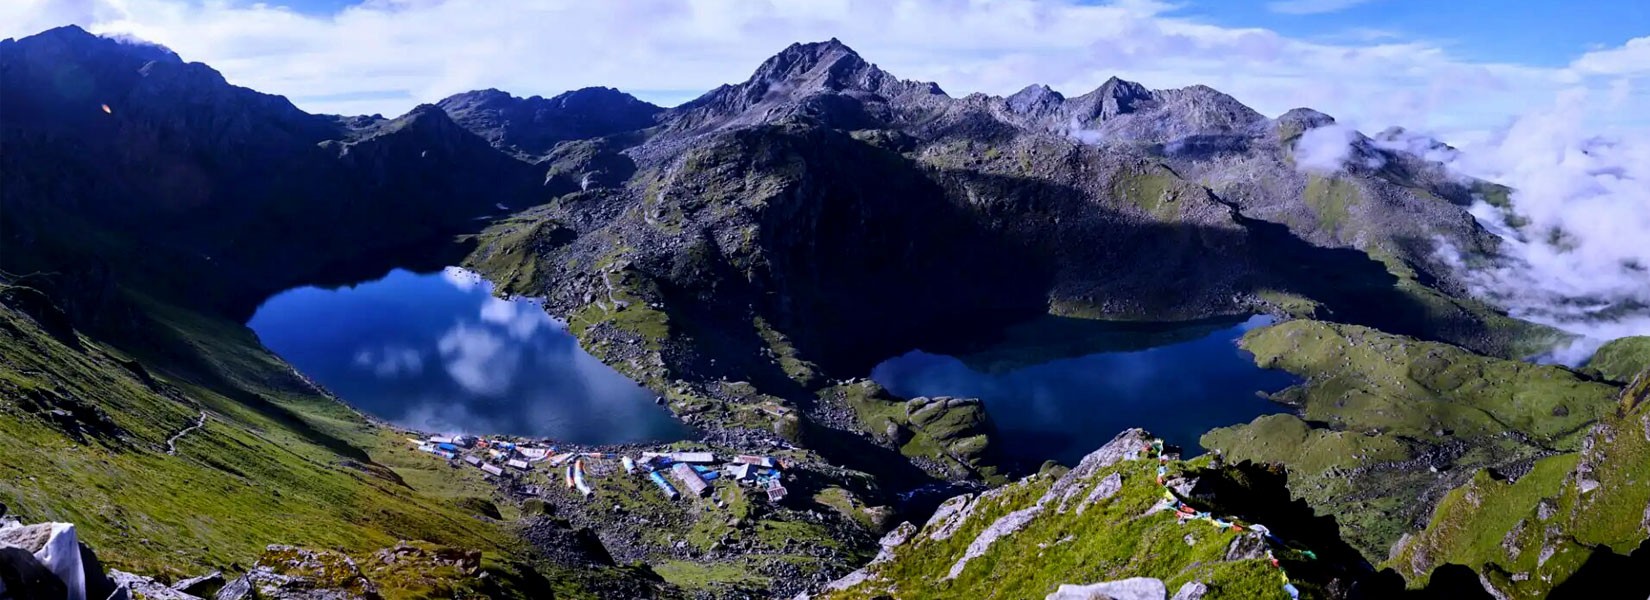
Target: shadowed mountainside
(744, 254)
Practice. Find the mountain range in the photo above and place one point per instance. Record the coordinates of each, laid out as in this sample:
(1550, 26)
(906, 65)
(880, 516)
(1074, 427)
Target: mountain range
(749, 255)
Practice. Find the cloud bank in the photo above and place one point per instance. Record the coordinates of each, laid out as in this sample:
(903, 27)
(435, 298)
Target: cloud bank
(1576, 235)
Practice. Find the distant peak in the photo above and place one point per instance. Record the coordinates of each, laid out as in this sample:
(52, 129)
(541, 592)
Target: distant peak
(801, 61)
(1036, 90)
(1117, 88)
(1114, 97)
(601, 92)
(1306, 118)
(66, 31)
(1033, 98)
(486, 95)
(425, 111)
(73, 36)
(832, 44)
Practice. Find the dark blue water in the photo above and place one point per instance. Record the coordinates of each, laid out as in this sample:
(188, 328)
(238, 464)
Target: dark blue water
(1177, 381)
(439, 353)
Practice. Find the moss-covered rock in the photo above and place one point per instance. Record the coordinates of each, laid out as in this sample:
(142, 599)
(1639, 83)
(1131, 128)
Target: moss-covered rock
(955, 433)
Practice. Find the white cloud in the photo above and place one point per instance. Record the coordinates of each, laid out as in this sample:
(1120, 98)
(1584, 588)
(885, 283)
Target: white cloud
(387, 55)
(478, 360)
(522, 318)
(390, 361)
(1325, 149)
(1632, 58)
(1311, 7)
(1579, 256)
(463, 279)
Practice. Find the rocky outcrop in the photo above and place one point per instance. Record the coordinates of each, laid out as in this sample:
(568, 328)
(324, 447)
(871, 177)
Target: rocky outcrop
(1136, 588)
(827, 81)
(1126, 538)
(297, 573)
(531, 127)
(958, 425)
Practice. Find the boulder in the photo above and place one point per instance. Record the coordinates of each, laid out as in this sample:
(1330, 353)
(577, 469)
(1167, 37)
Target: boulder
(1136, 588)
(1193, 590)
(147, 588)
(202, 586)
(22, 576)
(55, 547)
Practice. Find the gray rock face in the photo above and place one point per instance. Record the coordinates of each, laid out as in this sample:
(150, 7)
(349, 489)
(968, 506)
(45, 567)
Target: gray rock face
(1127, 444)
(149, 588)
(950, 515)
(531, 127)
(1192, 590)
(1137, 588)
(1245, 547)
(29, 538)
(204, 585)
(239, 588)
(1006, 525)
(823, 80)
(1103, 490)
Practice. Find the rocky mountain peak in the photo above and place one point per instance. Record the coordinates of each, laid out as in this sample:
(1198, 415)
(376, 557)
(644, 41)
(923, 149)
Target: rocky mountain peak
(828, 65)
(1114, 98)
(530, 127)
(597, 96)
(72, 36)
(489, 96)
(1034, 99)
(826, 81)
(1305, 118)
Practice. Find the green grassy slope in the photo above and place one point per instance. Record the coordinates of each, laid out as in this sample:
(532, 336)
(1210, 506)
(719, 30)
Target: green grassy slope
(1531, 537)
(84, 429)
(1389, 423)
(1620, 359)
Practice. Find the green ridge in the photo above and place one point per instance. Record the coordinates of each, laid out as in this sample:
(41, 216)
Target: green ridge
(1386, 420)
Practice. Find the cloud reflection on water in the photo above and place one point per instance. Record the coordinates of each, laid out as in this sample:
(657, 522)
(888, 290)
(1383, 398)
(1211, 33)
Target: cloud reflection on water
(439, 352)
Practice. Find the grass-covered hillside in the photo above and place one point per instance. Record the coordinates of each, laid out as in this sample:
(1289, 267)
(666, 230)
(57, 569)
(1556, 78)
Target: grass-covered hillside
(195, 449)
(1574, 526)
(1388, 423)
(1621, 359)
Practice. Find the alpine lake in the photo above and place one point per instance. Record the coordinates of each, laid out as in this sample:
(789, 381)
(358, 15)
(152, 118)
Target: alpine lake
(439, 352)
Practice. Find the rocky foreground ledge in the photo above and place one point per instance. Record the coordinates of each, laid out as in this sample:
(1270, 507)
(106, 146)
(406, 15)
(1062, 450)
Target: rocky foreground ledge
(46, 561)
(1130, 521)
